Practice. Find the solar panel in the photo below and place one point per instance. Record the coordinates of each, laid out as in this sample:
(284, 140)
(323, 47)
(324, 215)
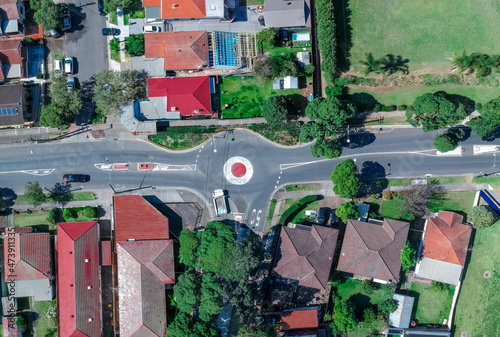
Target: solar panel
(8, 111)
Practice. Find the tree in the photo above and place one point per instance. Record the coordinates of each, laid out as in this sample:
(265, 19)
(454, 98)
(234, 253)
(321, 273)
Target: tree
(90, 212)
(211, 296)
(308, 132)
(347, 210)
(416, 198)
(371, 65)
(34, 193)
(330, 114)
(345, 318)
(21, 321)
(482, 217)
(3, 204)
(408, 257)
(188, 247)
(134, 45)
(251, 332)
(268, 37)
(290, 68)
(275, 109)
(61, 193)
(216, 244)
(50, 116)
(446, 142)
(328, 148)
(345, 181)
(187, 292)
(489, 119)
(46, 14)
(180, 326)
(309, 69)
(435, 111)
(369, 315)
(263, 68)
(386, 307)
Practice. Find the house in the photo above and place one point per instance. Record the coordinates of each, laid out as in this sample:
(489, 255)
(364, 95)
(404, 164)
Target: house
(145, 264)
(29, 266)
(12, 59)
(9, 327)
(302, 261)
(427, 331)
(156, 10)
(287, 13)
(12, 105)
(444, 248)
(78, 279)
(180, 50)
(300, 318)
(373, 249)
(401, 317)
(12, 15)
(303, 58)
(290, 82)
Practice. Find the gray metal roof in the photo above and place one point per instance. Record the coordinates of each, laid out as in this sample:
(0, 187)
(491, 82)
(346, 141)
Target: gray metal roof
(402, 316)
(279, 13)
(41, 290)
(214, 9)
(440, 271)
(154, 66)
(152, 13)
(290, 82)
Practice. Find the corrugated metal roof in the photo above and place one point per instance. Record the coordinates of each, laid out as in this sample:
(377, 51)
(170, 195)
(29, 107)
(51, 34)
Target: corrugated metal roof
(402, 316)
(440, 271)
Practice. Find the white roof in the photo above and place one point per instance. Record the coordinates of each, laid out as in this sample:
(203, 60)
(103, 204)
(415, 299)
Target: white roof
(440, 271)
(290, 82)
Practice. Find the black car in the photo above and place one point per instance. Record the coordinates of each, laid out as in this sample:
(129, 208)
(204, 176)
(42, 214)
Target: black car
(321, 216)
(333, 218)
(110, 31)
(100, 7)
(75, 178)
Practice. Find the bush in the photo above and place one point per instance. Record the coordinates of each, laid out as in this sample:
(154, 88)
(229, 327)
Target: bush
(21, 321)
(29, 211)
(90, 212)
(401, 107)
(69, 214)
(386, 307)
(327, 43)
(268, 37)
(366, 287)
(52, 216)
(384, 108)
(134, 45)
(408, 257)
(369, 315)
(482, 217)
(439, 286)
(376, 108)
(39, 76)
(309, 69)
(114, 44)
(388, 195)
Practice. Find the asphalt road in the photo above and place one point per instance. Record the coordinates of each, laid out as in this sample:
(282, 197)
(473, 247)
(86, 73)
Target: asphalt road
(387, 152)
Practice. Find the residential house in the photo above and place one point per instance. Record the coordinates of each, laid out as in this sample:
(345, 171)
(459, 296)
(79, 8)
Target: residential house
(12, 105)
(9, 327)
(302, 264)
(427, 331)
(290, 82)
(13, 59)
(401, 317)
(29, 266)
(372, 250)
(287, 13)
(145, 265)
(300, 318)
(157, 10)
(78, 279)
(12, 15)
(444, 248)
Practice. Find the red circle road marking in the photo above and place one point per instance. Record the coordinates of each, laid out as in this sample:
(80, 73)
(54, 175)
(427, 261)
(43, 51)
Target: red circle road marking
(238, 170)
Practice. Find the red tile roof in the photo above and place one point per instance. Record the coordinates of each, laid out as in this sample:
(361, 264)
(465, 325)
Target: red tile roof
(77, 304)
(9, 10)
(373, 250)
(182, 10)
(137, 219)
(185, 94)
(446, 238)
(105, 249)
(301, 318)
(144, 267)
(306, 255)
(32, 256)
(180, 50)
(9, 51)
(10, 329)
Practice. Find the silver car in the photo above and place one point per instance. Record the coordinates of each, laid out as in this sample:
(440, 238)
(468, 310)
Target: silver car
(68, 65)
(70, 84)
(58, 68)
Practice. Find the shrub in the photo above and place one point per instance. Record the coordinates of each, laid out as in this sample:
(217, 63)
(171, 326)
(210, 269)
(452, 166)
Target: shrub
(29, 41)
(388, 195)
(89, 212)
(401, 107)
(386, 307)
(482, 217)
(114, 44)
(376, 108)
(39, 76)
(69, 214)
(327, 317)
(134, 45)
(29, 211)
(21, 321)
(366, 287)
(384, 108)
(309, 69)
(52, 216)
(439, 286)
(268, 37)
(327, 42)
(408, 257)
(369, 315)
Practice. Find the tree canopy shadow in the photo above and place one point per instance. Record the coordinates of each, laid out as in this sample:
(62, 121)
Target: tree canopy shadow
(9, 197)
(391, 64)
(342, 14)
(61, 193)
(364, 102)
(373, 177)
(357, 139)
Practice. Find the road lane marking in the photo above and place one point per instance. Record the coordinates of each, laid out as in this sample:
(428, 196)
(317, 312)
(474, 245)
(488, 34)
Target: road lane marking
(169, 167)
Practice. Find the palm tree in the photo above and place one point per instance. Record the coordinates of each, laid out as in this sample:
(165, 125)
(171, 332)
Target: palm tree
(462, 61)
(371, 65)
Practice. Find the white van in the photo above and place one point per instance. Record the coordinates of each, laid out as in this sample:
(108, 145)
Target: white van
(58, 68)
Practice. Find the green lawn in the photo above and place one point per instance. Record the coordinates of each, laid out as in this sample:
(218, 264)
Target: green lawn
(80, 217)
(245, 95)
(447, 180)
(302, 187)
(406, 95)
(478, 303)
(400, 182)
(493, 181)
(44, 325)
(455, 201)
(35, 218)
(352, 287)
(113, 17)
(426, 32)
(302, 218)
(269, 219)
(126, 19)
(393, 209)
(77, 196)
(433, 306)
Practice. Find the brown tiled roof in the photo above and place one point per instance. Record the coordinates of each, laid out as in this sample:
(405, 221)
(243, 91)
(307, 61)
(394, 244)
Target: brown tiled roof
(446, 238)
(32, 258)
(137, 219)
(373, 250)
(300, 318)
(183, 9)
(9, 51)
(8, 10)
(306, 255)
(180, 50)
(144, 267)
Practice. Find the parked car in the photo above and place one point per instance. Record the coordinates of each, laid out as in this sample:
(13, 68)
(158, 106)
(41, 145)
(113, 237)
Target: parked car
(110, 31)
(333, 218)
(100, 7)
(58, 68)
(70, 84)
(75, 178)
(151, 29)
(55, 33)
(68, 65)
(67, 21)
(320, 219)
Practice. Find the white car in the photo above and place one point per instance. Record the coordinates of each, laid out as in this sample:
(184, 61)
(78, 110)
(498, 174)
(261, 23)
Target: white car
(58, 68)
(70, 84)
(151, 29)
(68, 65)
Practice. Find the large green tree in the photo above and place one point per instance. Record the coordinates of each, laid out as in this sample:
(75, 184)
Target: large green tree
(347, 210)
(184, 326)
(488, 120)
(275, 109)
(328, 148)
(482, 216)
(187, 292)
(345, 318)
(134, 44)
(268, 37)
(330, 114)
(408, 257)
(188, 242)
(435, 111)
(216, 244)
(46, 14)
(212, 291)
(345, 180)
(34, 193)
(386, 307)
(447, 141)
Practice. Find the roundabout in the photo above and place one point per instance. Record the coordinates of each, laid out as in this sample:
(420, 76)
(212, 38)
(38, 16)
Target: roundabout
(238, 170)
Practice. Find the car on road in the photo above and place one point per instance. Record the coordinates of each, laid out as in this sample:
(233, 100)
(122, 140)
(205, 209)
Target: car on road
(151, 29)
(70, 84)
(110, 31)
(75, 178)
(100, 7)
(320, 219)
(333, 218)
(58, 68)
(68, 65)
(67, 21)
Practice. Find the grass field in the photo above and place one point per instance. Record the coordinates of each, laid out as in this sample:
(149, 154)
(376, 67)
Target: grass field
(493, 181)
(447, 180)
(456, 201)
(425, 32)
(433, 306)
(245, 97)
(400, 182)
(77, 196)
(406, 95)
(478, 303)
(392, 209)
(35, 218)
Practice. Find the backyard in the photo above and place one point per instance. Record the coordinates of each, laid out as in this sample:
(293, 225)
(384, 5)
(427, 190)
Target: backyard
(426, 33)
(34, 218)
(479, 301)
(432, 305)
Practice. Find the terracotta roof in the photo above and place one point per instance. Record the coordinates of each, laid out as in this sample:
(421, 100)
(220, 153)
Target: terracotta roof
(300, 318)
(78, 268)
(185, 94)
(373, 250)
(306, 255)
(10, 329)
(137, 219)
(184, 9)
(9, 51)
(180, 50)
(32, 256)
(144, 267)
(446, 238)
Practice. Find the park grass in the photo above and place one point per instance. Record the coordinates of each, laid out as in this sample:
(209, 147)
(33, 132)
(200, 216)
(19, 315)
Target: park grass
(43, 325)
(255, 2)
(272, 206)
(478, 303)
(406, 95)
(245, 95)
(77, 196)
(400, 182)
(493, 181)
(24, 219)
(432, 306)
(113, 17)
(447, 180)
(302, 187)
(426, 33)
(283, 134)
(460, 202)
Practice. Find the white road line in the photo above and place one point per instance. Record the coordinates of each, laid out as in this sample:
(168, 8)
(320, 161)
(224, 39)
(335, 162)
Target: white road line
(40, 172)
(104, 167)
(168, 167)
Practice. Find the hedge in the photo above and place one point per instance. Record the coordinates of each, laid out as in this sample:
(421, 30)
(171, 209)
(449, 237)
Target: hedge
(296, 207)
(327, 41)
